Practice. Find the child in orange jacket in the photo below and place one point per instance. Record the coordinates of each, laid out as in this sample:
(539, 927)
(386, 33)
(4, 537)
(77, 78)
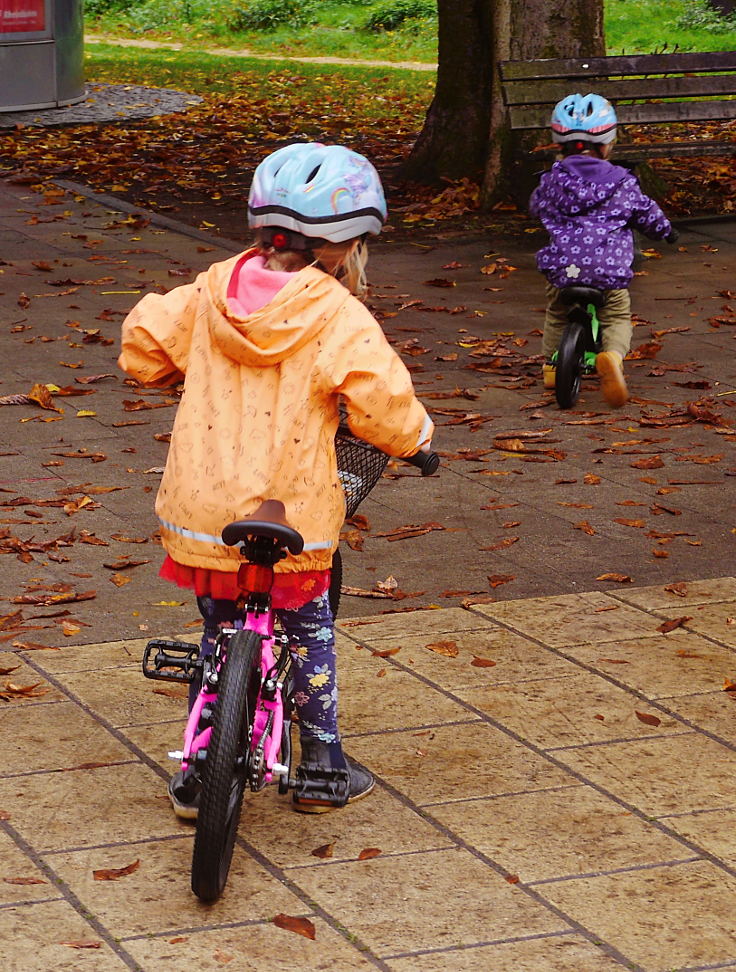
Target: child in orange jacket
(266, 343)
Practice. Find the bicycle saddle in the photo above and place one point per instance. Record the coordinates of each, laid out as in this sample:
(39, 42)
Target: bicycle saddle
(269, 520)
(582, 295)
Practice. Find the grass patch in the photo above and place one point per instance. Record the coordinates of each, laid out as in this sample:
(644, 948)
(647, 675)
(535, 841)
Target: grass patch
(341, 29)
(336, 29)
(373, 93)
(645, 26)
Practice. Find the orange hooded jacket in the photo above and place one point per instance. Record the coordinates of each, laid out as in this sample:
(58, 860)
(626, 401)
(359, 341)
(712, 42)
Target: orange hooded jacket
(258, 415)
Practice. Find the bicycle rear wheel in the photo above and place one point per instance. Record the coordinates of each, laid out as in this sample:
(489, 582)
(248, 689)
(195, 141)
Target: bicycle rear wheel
(225, 768)
(569, 366)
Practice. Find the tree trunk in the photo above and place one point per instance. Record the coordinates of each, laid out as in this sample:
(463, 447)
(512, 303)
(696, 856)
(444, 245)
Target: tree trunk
(453, 141)
(526, 31)
(465, 131)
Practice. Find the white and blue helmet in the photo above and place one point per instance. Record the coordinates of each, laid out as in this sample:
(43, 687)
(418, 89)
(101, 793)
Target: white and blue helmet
(583, 118)
(321, 191)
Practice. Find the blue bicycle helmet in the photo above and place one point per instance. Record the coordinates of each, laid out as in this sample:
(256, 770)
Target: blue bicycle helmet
(326, 192)
(583, 118)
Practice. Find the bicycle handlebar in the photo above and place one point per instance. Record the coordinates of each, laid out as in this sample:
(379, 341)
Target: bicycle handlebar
(427, 462)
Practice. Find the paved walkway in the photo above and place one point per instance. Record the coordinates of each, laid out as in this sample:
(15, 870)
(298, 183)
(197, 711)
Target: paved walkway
(555, 753)
(155, 45)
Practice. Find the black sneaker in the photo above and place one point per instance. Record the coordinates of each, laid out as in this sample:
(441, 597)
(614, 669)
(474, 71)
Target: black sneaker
(184, 796)
(322, 786)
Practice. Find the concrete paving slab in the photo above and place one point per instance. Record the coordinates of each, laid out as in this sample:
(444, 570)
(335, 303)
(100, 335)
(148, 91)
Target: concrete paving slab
(479, 907)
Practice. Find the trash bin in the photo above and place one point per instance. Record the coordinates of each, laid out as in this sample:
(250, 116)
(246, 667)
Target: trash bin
(41, 52)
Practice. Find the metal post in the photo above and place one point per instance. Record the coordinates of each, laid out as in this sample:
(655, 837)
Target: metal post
(41, 54)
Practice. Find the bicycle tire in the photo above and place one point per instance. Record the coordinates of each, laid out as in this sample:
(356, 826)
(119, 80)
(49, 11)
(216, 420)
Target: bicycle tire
(223, 780)
(569, 366)
(333, 593)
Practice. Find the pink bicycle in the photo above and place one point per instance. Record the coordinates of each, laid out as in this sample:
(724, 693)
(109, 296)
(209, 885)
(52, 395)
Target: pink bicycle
(238, 733)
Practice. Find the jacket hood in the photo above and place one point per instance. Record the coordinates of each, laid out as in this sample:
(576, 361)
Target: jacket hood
(585, 182)
(293, 317)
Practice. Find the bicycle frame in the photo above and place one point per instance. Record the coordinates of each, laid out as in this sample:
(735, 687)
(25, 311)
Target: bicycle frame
(269, 717)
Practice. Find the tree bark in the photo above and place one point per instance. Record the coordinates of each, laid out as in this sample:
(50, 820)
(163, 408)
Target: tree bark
(465, 131)
(452, 143)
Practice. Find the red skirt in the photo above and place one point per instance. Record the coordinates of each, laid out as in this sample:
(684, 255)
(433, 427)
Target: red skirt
(290, 591)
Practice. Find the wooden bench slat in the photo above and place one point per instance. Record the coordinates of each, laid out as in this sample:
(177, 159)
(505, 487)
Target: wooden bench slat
(665, 150)
(550, 92)
(671, 111)
(622, 65)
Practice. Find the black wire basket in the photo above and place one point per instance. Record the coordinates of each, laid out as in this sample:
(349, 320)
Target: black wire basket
(359, 466)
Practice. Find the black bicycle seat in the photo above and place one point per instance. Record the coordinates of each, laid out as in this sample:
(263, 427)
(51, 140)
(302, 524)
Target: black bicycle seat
(582, 295)
(269, 520)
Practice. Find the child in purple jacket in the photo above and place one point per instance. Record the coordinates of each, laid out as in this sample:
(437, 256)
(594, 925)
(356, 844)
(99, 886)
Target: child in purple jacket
(589, 207)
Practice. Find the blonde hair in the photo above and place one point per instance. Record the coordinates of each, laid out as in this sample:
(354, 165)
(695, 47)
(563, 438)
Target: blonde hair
(345, 261)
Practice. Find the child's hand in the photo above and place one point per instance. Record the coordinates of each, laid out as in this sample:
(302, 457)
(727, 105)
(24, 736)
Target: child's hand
(673, 236)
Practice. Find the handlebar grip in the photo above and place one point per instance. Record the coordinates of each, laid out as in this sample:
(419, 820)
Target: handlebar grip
(427, 462)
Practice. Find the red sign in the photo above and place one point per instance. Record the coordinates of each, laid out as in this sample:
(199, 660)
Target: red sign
(22, 16)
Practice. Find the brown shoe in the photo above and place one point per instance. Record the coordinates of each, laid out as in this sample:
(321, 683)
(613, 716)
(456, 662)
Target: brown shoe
(549, 375)
(609, 366)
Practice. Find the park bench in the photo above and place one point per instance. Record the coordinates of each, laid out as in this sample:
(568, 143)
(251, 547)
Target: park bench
(680, 90)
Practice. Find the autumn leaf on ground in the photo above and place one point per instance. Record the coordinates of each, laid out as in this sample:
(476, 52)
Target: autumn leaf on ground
(585, 527)
(123, 563)
(298, 925)
(323, 852)
(120, 580)
(25, 880)
(618, 578)
(368, 853)
(82, 943)
(114, 873)
(12, 691)
(679, 588)
(730, 687)
(674, 623)
(495, 580)
(651, 462)
(482, 662)
(639, 524)
(590, 479)
(447, 648)
(502, 544)
(647, 718)
(385, 652)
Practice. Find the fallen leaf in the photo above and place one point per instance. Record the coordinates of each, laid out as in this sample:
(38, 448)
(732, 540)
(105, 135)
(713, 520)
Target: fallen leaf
(585, 527)
(114, 873)
(495, 580)
(447, 648)
(679, 588)
(298, 925)
(82, 943)
(369, 853)
(619, 578)
(674, 623)
(324, 851)
(482, 662)
(647, 718)
(25, 880)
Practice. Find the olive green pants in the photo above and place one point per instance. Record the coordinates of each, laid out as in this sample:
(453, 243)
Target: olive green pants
(614, 317)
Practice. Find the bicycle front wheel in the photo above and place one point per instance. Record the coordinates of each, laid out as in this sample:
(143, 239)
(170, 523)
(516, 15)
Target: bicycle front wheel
(225, 768)
(333, 593)
(569, 367)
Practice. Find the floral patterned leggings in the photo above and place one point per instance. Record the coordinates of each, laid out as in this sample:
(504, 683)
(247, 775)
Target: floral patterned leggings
(310, 630)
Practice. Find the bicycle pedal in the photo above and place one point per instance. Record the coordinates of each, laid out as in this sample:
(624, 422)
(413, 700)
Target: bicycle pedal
(171, 661)
(317, 785)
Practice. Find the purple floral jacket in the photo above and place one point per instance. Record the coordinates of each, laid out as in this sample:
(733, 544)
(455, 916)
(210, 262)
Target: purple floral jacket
(589, 206)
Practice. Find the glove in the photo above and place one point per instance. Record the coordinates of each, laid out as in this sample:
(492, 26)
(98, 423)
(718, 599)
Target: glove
(673, 236)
